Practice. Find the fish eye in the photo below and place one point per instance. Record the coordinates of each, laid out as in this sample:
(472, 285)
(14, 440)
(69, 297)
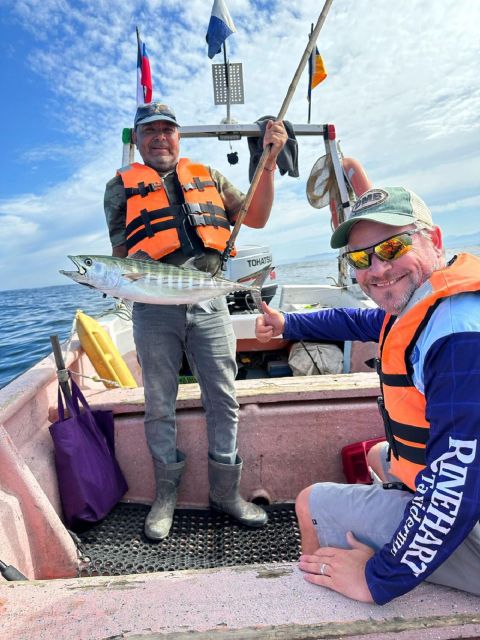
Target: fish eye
(88, 262)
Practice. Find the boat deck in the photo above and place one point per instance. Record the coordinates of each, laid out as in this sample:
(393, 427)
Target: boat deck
(199, 539)
(256, 602)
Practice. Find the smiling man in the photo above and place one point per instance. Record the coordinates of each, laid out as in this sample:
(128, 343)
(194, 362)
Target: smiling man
(419, 520)
(175, 210)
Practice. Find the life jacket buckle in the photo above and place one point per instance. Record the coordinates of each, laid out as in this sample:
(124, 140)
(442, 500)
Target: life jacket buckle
(145, 189)
(196, 220)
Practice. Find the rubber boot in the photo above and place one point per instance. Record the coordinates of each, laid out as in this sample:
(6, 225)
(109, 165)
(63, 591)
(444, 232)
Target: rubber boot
(167, 478)
(224, 495)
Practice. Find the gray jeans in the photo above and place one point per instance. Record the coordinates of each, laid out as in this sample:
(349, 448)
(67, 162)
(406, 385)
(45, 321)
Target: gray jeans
(162, 334)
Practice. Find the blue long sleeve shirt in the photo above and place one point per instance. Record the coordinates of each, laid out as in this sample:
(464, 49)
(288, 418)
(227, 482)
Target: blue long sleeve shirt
(446, 369)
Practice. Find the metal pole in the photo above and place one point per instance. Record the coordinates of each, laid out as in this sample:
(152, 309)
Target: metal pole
(281, 114)
(310, 76)
(227, 79)
(62, 372)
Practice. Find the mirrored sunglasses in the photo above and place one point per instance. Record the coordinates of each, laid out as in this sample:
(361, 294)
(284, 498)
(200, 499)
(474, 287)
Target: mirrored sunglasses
(389, 249)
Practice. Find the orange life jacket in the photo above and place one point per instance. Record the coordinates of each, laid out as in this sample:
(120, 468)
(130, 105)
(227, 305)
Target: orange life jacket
(153, 224)
(402, 406)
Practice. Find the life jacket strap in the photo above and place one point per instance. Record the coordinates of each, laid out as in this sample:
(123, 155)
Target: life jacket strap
(198, 184)
(154, 228)
(151, 222)
(143, 189)
(394, 430)
(201, 215)
(392, 379)
(412, 454)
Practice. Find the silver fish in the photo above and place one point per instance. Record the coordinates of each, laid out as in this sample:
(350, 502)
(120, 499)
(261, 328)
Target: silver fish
(156, 282)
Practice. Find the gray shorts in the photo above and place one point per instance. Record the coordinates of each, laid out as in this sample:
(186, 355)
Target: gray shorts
(373, 514)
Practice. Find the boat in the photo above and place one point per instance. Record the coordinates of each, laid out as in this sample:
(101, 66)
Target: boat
(211, 578)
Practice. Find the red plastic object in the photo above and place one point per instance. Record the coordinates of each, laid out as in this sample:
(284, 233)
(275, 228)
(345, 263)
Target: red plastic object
(354, 460)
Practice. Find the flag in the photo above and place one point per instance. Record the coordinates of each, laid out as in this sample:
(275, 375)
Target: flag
(144, 76)
(219, 28)
(316, 71)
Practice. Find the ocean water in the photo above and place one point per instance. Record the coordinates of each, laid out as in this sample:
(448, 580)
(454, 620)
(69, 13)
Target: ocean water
(28, 317)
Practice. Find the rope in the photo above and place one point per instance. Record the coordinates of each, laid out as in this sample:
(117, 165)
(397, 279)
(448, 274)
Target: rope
(311, 357)
(96, 378)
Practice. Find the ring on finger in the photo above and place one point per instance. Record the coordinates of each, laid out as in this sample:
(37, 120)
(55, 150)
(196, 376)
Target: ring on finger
(322, 568)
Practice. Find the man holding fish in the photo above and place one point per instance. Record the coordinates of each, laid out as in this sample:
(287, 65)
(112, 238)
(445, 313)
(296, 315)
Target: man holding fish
(420, 519)
(173, 210)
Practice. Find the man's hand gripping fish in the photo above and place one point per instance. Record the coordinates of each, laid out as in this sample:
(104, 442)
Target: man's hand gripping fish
(156, 282)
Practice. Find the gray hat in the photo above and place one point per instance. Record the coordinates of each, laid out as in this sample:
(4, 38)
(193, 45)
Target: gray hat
(388, 205)
(154, 111)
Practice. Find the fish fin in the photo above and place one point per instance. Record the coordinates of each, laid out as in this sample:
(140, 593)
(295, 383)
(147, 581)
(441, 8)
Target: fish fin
(257, 299)
(140, 255)
(261, 276)
(134, 276)
(190, 264)
(205, 305)
(256, 286)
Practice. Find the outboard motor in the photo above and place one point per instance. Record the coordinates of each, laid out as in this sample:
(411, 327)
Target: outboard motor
(250, 259)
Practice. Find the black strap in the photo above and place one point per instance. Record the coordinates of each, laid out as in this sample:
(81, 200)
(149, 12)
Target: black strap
(207, 207)
(394, 430)
(202, 220)
(174, 211)
(198, 184)
(143, 189)
(400, 486)
(412, 454)
(151, 222)
(155, 228)
(194, 212)
(409, 432)
(146, 222)
(395, 379)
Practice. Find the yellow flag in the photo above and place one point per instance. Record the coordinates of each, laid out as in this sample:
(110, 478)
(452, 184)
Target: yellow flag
(316, 68)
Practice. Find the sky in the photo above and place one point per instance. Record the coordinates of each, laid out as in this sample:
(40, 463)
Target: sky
(403, 91)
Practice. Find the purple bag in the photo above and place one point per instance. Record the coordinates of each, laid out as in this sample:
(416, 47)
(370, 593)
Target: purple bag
(90, 481)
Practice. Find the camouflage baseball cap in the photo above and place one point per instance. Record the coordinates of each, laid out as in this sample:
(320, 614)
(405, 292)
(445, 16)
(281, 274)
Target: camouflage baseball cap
(388, 205)
(154, 111)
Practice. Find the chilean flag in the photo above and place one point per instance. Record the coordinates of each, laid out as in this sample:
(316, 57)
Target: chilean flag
(144, 76)
(219, 28)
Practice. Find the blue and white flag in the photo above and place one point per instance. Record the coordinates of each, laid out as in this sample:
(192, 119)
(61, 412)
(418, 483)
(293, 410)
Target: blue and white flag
(219, 28)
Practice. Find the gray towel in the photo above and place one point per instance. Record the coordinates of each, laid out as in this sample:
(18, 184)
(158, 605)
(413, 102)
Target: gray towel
(287, 160)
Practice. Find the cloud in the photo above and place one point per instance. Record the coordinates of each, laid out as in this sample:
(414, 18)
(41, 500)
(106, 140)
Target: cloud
(403, 92)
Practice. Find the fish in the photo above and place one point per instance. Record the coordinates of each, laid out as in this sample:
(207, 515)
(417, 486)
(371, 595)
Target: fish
(155, 282)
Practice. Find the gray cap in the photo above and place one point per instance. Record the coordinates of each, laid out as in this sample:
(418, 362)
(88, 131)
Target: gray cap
(154, 111)
(388, 205)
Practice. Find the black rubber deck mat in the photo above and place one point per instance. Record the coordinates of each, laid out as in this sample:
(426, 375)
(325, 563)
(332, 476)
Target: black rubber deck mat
(199, 539)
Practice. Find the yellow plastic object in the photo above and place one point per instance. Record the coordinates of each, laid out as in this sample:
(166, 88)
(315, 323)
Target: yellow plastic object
(103, 354)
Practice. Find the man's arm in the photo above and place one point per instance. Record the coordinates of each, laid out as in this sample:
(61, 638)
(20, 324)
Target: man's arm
(262, 200)
(335, 324)
(115, 207)
(328, 324)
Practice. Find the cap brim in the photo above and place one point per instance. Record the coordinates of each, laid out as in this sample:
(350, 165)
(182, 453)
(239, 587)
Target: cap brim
(157, 117)
(339, 238)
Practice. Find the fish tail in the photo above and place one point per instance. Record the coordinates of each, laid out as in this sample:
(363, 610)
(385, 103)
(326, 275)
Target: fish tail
(261, 276)
(257, 284)
(257, 298)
